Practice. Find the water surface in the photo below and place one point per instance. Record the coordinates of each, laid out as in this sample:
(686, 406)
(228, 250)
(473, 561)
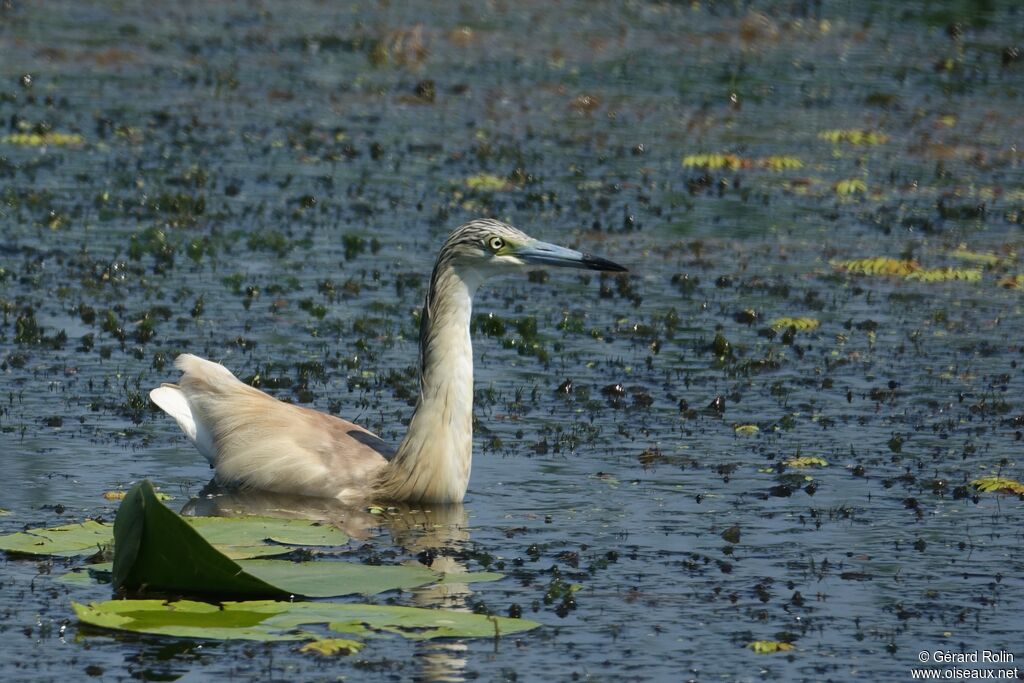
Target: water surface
(266, 185)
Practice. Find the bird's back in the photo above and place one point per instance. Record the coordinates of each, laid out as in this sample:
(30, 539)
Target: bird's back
(255, 441)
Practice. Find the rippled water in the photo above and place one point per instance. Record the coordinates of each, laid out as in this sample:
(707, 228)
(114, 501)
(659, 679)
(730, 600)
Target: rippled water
(267, 185)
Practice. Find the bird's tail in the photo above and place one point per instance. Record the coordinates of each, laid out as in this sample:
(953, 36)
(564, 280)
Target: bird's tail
(174, 400)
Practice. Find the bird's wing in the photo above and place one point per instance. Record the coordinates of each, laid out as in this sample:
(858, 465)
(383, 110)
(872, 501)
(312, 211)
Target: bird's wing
(255, 441)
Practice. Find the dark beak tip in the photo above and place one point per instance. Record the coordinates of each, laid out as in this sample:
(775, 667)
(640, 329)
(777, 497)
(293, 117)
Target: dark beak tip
(598, 263)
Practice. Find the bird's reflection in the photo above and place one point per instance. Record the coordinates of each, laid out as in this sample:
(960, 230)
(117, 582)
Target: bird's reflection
(434, 533)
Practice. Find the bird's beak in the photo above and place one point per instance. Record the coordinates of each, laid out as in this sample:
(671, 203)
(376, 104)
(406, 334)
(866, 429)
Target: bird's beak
(545, 254)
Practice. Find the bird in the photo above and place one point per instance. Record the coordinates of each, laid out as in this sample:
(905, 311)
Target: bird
(256, 442)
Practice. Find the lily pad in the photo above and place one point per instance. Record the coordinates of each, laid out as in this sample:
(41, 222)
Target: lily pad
(806, 461)
(67, 540)
(946, 274)
(325, 579)
(236, 537)
(998, 485)
(40, 139)
(485, 182)
(249, 530)
(879, 265)
(155, 550)
(272, 620)
(801, 324)
(471, 577)
(854, 136)
(245, 537)
(767, 647)
(329, 647)
(77, 577)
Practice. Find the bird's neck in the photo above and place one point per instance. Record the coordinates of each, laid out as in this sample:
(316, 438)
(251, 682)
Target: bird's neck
(433, 461)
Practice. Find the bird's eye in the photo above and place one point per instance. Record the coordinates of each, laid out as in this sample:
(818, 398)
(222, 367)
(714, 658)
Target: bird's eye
(495, 243)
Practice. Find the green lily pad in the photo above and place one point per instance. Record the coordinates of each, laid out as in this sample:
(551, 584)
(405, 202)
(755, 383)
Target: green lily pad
(325, 579)
(329, 647)
(155, 550)
(67, 540)
(77, 577)
(236, 537)
(471, 577)
(251, 531)
(271, 620)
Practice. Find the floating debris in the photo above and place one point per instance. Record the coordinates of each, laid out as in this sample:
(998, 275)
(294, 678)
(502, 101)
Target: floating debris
(268, 620)
(1012, 282)
(767, 647)
(714, 162)
(585, 103)
(485, 182)
(44, 139)
(119, 495)
(881, 265)
(985, 258)
(800, 324)
(998, 485)
(805, 461)
(330, 647)
(854, 136)
(845, 188)
(946, 275)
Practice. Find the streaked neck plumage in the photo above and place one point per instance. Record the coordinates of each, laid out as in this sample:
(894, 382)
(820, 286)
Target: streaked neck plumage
(433, 461)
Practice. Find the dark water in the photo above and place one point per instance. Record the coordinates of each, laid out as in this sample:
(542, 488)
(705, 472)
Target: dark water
(267, 184)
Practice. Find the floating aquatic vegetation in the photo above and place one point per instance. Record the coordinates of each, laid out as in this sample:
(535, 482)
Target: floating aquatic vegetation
(907, 269)
(119, 495)
(780, 163)
(326, 579)
(236, 537)
(44, 139)
(733, 162)
(244, 537)
(401, 47)
(880, 265)
(713, 161)
(67, 540)
(854, 136)
(845, 188)
(155, 550)
(584, 103)
(1012, 282)
(946, 274)
(998, 485)
(800, 324)
(806, 461)
(485, 182)
(266, 620)
(747, 430)
(766, 647)
(986, 258)
(329, 647)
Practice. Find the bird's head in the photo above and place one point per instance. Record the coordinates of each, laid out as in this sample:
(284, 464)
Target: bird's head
(490, 247)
